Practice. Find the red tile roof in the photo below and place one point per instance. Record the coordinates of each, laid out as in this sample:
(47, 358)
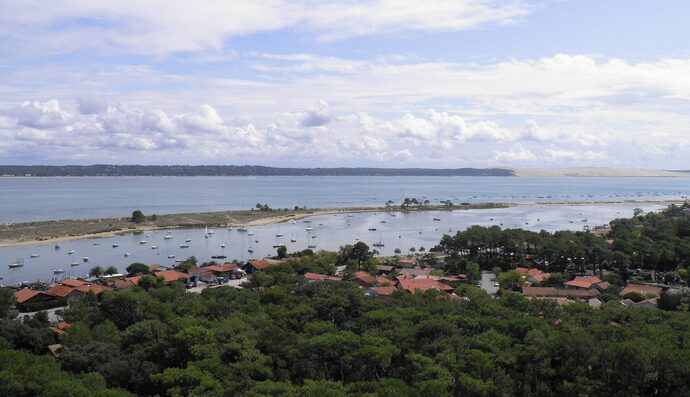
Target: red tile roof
(95, 288)
(228, 267)
(363, 277)
(60, 290)
(320, 277)
(25, 294)
(172, 275)
(537, 274)
(641, 289)
(384, 291)
(583, 281)
(123, 284)
(555, 292)
(153, 268)
(57, 330)
(415, 271)
(260, 264)
(70, 282)
(409, 260)
(422, 284)
(522, 270)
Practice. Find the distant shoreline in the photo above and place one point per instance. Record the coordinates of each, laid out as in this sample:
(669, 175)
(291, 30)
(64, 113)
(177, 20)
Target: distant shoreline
(42, 232)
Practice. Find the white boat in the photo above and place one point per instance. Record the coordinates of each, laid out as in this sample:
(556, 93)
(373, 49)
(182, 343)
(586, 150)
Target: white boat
(126, 254)
(96, 243)
(188, 240)
(437, 219)
(34, 256)
(309, 229)
(116, 245)
(171, 256)
(207, 235)
(311, 246)
(222, 246)
(241, 229)
(184, 245)
(18, 263)
(278, 245)
(70, 252)
(378, 244)
(154, 247)
(74, 264)
(148, 235)
(58, 271)
(167, 236)
(293, 240)
(293, 222)
(229, 229)
(279, 234)
(372, 229)
(85, 259)
(142, 242)
(57, 246)
(250, 250)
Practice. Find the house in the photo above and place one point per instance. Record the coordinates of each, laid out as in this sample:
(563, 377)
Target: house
(415, 272)
(628, 302)
(642, 289)
(259, 265)
(95, 288)
(62, 291)
(154, 268)
(551, 292)
(382, 291)
(407, 262)
(122, 284)
(71, 282)
(222, 270)
(55, 349)
(384, 269)
(60, 328)
(454, 281)
(535, 275)
(311, 277)
(202, 274)
(583, 282)
(415, 284)
(170, 276)
(647, 303)
(363, 279)
(594, 303)
(28, 297)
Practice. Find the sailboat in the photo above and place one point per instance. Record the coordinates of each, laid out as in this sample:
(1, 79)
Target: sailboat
(167, 236)
(380, 242)
(18, 263)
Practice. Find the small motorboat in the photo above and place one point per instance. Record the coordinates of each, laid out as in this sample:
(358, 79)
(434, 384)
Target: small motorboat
(148, 235)
(218, 257)
(188, 240)
(167, 236)
(222, 246)
(142, 242)
(309, 229)
(126, 254)
(184, 245)
(250, 250)
(57, 246)
(250, 234)
(116, 245)
(171, 256)
(85, 259)
(96, 243)
(18, 263)
(293, 240)
(34, 256)
(58, 271)
(372, 229)
(279, 234)
(379, 244)
(154, 247)
(241, 229)
(278, 245)
(437, 219)
(311, 246)
(74, 264)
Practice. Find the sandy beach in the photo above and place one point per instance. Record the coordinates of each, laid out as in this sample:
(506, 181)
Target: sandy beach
(29, 233)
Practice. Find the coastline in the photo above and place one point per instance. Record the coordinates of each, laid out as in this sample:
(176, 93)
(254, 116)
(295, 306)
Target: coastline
(44, 232)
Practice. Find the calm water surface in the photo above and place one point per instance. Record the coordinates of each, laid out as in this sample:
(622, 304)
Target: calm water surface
(29, 199)
(394, 230)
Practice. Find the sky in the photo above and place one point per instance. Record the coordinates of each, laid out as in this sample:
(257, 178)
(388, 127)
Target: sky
(312, 83)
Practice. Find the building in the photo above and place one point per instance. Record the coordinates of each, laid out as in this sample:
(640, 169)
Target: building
(551, 292)
(27, 297)
(311, 277)
(65, 292)
(222, 270)
(259, 265)
(202, 274)
(642, 289)
(382, 291)
(584, 282)
(414, 284)
(363, 279)
(407, 262)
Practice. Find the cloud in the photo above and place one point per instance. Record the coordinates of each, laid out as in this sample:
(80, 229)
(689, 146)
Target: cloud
(91, 104)
(317, 116)
(162, 27)
(518, 155)
(40, 114)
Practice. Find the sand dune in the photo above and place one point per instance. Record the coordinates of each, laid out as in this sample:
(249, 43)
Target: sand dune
(597, 172)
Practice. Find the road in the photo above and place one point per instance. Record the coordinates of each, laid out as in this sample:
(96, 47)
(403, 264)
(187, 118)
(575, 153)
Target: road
(488, 280)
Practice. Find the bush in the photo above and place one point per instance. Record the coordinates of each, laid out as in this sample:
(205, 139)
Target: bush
(668, 301)
(137, 217)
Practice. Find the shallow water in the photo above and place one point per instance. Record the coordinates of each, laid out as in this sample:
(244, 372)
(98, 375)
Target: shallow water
(400, 230)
